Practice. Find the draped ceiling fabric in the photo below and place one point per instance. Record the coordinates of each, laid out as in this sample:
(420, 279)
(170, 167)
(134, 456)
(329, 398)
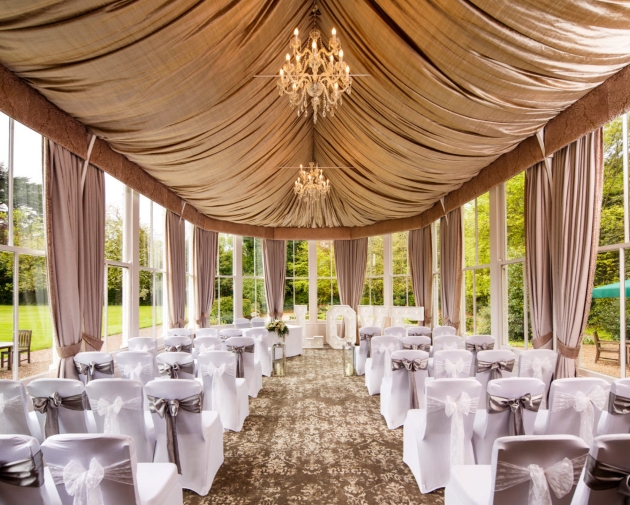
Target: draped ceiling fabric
(453, 85)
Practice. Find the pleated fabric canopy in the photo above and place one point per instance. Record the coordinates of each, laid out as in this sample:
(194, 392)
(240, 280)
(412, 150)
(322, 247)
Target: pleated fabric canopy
(453, 85)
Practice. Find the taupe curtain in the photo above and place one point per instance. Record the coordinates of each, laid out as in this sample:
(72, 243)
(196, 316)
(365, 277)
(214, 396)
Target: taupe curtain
(451, 267)
(538, 262)
(351, 260)
(420, 249)
(75, 237)
(176, 269)
(206, 245)
(577, 172)
(275, 268)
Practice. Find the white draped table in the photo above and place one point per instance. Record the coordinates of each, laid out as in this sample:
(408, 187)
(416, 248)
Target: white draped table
(292, 342)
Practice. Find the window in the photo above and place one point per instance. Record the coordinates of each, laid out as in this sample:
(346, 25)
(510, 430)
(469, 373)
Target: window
(254, 296)
(296, 290)
(374, 273)
(402, 286)
(327, 290)
(476, 229)
(223, 307)
(151, 268)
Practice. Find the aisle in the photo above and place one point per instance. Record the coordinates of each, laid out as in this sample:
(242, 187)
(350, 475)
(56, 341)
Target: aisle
(314, 437)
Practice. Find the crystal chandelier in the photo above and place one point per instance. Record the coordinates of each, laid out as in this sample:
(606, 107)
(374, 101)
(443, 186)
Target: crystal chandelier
(315, 72)
(311, 185)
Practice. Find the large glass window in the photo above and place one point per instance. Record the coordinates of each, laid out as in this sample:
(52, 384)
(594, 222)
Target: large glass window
(402, 286)
(476, 228)
(296, 291)
(254, 297)
(327, 290)
(374, 272)
(223, 306)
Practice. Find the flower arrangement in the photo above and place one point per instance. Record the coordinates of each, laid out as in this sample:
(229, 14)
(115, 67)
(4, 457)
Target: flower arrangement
(281, 329)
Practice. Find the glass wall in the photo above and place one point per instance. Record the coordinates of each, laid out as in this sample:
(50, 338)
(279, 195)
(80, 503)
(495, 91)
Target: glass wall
(223, 307)
(296, 291)
(402, 286)
(327, 290)
(373, 288)
(254, 297)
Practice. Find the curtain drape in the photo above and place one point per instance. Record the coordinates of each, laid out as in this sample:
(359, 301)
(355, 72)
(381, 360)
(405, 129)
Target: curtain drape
(451, 267)
(205, 260)
(350, 261)
(420, 249)
(176, 269)
(577, 172)
(538, 262)
(75, 238)
(275, 269)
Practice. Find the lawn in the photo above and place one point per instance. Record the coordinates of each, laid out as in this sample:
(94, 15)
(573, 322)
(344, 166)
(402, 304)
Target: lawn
(37, 318)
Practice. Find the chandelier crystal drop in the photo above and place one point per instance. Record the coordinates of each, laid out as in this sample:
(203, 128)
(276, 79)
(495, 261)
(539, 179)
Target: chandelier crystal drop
(316, 73)
(311, 185)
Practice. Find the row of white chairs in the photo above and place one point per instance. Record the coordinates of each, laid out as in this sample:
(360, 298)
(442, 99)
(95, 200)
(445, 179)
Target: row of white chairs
(239, 322)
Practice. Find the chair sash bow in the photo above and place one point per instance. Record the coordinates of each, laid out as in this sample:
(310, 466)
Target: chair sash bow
(49, 406)
(453, 369)
(14, 403)
(368, 338)
(203, 349)
(110, 411)
(217, 373)
(386, 351)
(168, 410)
(135, 372)
(618, 405)
(88, 369)
(179, 348)
(515, 406)
(27, 472)
(417, 347)
(239, 350)
(173, 370)
(541, 367)
(485, 346)
(601, 476)
(412, 366)
(560, 477)
(496, 368)
(584, 404)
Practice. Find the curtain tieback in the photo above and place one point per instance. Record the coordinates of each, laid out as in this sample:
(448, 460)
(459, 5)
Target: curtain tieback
(69, 351)
(541, 341)
(27, 472)
(95, 343)
(568, 352)
(602, 476)
(181, 323)
(515, 406)
(49, 406)
(169, 409)
(204, 315)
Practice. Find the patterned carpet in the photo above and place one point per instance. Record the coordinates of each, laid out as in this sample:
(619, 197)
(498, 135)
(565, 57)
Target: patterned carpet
(314, 437)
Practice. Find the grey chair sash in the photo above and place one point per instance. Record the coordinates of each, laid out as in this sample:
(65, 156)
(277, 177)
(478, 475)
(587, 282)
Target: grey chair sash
(239, 350)
(49, 405)
(27, 472)
(173, 370)
(368, 338)
(498, 404)
(495, 367)
(417, 347)
(486, 346)
(169, 409)
(179, 348)
(91, 367)
(412, 366)
(618, 405)
(602, 476)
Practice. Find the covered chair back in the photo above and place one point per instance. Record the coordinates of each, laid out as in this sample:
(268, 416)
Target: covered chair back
(496, 364)
(136, 365)
(540, 364)
(242, 322)
(182, 332)
(417, 343)
(395, 331)
(439, 331)
(258, 322)
(176, 365)
(206, 332)
(205, 344)
(476, 343)
(452, 364)
(14, 416)
(94, 365)
(178, 343)
(246, 365)
(379, 364)
(616, 418)
(447, 342)
(262, 351)
(419, 330)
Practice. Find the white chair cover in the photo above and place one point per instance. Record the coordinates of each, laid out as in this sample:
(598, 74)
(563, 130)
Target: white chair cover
(230, 332)
(97, 365)
(117, 406)
(447, 343)
(14, 415)
(439, 331)
(258, 322)
(25, 449)
(616, 418)
(146, 344)
(176, 365)
(395, 331)
(451, 364)
(439, 437)
(96, 469)
(607, 470)
(206, 332)
(363, 351)
(222, 391)
(135, 365)
(397, 389)
(379, 364)
(538, 363)
(199, 435)
(497, 364)
(178, 343)
(252, 371)
(417, 343)
(242, 322)
(575, 406)
(476, 343)
(70, 421)
(489, 426)
(201, 345)
(184, 332)
(262, 351)
(424, 331)
(525, 470)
